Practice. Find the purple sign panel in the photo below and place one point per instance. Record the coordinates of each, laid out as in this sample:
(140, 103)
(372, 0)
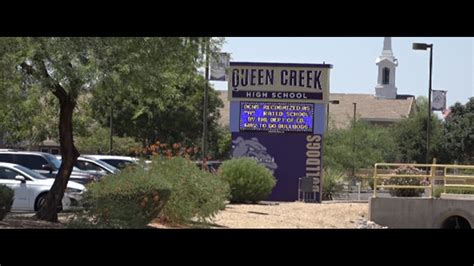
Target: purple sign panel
(288, 156)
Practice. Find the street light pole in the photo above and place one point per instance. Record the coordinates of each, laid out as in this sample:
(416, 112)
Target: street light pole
(424, 46)
(428, 128)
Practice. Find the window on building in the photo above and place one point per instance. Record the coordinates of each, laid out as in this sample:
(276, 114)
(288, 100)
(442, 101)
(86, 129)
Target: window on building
(385, 75)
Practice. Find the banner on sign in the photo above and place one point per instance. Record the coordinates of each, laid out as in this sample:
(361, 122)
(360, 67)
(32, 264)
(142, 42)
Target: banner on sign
(439, 100)
(219, 67)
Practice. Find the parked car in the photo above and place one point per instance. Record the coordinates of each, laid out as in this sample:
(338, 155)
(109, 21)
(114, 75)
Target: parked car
(93, 166)
(119, 162)
(45, 164)
(212, 166)
(31, 188)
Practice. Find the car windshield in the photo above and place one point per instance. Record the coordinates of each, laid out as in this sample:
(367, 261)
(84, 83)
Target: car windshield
(107, 166)
(54, 160)
(74, 169)
(118, 163)
(29, 172)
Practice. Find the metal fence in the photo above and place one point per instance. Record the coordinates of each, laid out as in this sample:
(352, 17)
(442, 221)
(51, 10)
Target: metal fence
(437, 175)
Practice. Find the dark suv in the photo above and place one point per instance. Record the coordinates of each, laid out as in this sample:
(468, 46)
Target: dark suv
(44, 163)
(212, 166)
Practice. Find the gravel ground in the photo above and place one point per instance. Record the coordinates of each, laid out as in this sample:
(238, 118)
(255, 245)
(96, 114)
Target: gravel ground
(26, 220)
(295, 215)
(331, 214)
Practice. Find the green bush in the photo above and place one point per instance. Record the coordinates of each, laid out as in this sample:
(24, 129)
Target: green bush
(196, 194)
(249, 181)
(371, 182)
(452, 190)
(6, 200)
(129, 199)
(333, 183)
(98, 142)
(405, 181)
(172, 189)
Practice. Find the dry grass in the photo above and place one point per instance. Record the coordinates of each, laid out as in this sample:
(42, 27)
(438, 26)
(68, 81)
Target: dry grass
(292, 215)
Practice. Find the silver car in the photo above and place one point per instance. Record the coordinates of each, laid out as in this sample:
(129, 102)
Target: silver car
(31, 188)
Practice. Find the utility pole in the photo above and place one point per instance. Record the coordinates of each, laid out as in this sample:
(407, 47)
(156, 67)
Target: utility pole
(354, 140)
(111, 129)
(327, 112)
(206, 95)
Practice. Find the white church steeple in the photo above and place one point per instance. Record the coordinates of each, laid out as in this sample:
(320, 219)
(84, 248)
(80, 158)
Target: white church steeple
(386, 63)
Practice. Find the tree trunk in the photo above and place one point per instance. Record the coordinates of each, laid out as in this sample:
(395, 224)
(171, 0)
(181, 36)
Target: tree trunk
(69, 153)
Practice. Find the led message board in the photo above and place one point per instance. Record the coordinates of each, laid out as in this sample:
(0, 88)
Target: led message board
(276, 117)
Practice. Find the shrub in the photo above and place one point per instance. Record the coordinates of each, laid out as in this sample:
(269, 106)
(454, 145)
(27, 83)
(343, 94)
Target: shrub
(249, 181)
(452, 190)
(405, 181)
(371, 182)
(129, 199)
(195, 193)
(166, 150)
(333, 183)
(172, 189)
(98, 142)
(6, 201)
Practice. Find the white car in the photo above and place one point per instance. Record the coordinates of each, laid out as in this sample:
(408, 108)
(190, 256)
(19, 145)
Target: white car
(30, 188)
(119, 162)
(93, 166)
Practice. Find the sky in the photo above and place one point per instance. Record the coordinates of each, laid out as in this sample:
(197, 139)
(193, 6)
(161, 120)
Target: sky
(353, 60)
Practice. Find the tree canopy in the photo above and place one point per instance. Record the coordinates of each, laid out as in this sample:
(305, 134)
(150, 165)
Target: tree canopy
(458, 131)
(359, 146)
(152, 83)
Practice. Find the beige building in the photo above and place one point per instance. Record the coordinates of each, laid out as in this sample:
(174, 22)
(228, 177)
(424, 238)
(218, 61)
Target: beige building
(368, 108)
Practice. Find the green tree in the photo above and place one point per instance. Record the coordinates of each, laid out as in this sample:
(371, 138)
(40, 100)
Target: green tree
(410, 135)
(359, 146)
(159, 97)
(224, 144)
(22, 124)
(65, 67)
(20, 121)
(151, 83)
(458, 141)
(98, 142)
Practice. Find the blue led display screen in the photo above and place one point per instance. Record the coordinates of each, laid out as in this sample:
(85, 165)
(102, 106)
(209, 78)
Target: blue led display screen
(276, 117)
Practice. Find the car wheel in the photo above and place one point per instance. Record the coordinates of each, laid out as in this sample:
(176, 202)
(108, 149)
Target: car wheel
(40, 201)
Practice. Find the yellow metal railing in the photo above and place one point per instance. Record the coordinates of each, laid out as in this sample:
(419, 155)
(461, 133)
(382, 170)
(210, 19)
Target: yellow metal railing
(456, 168)
(430, 176)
